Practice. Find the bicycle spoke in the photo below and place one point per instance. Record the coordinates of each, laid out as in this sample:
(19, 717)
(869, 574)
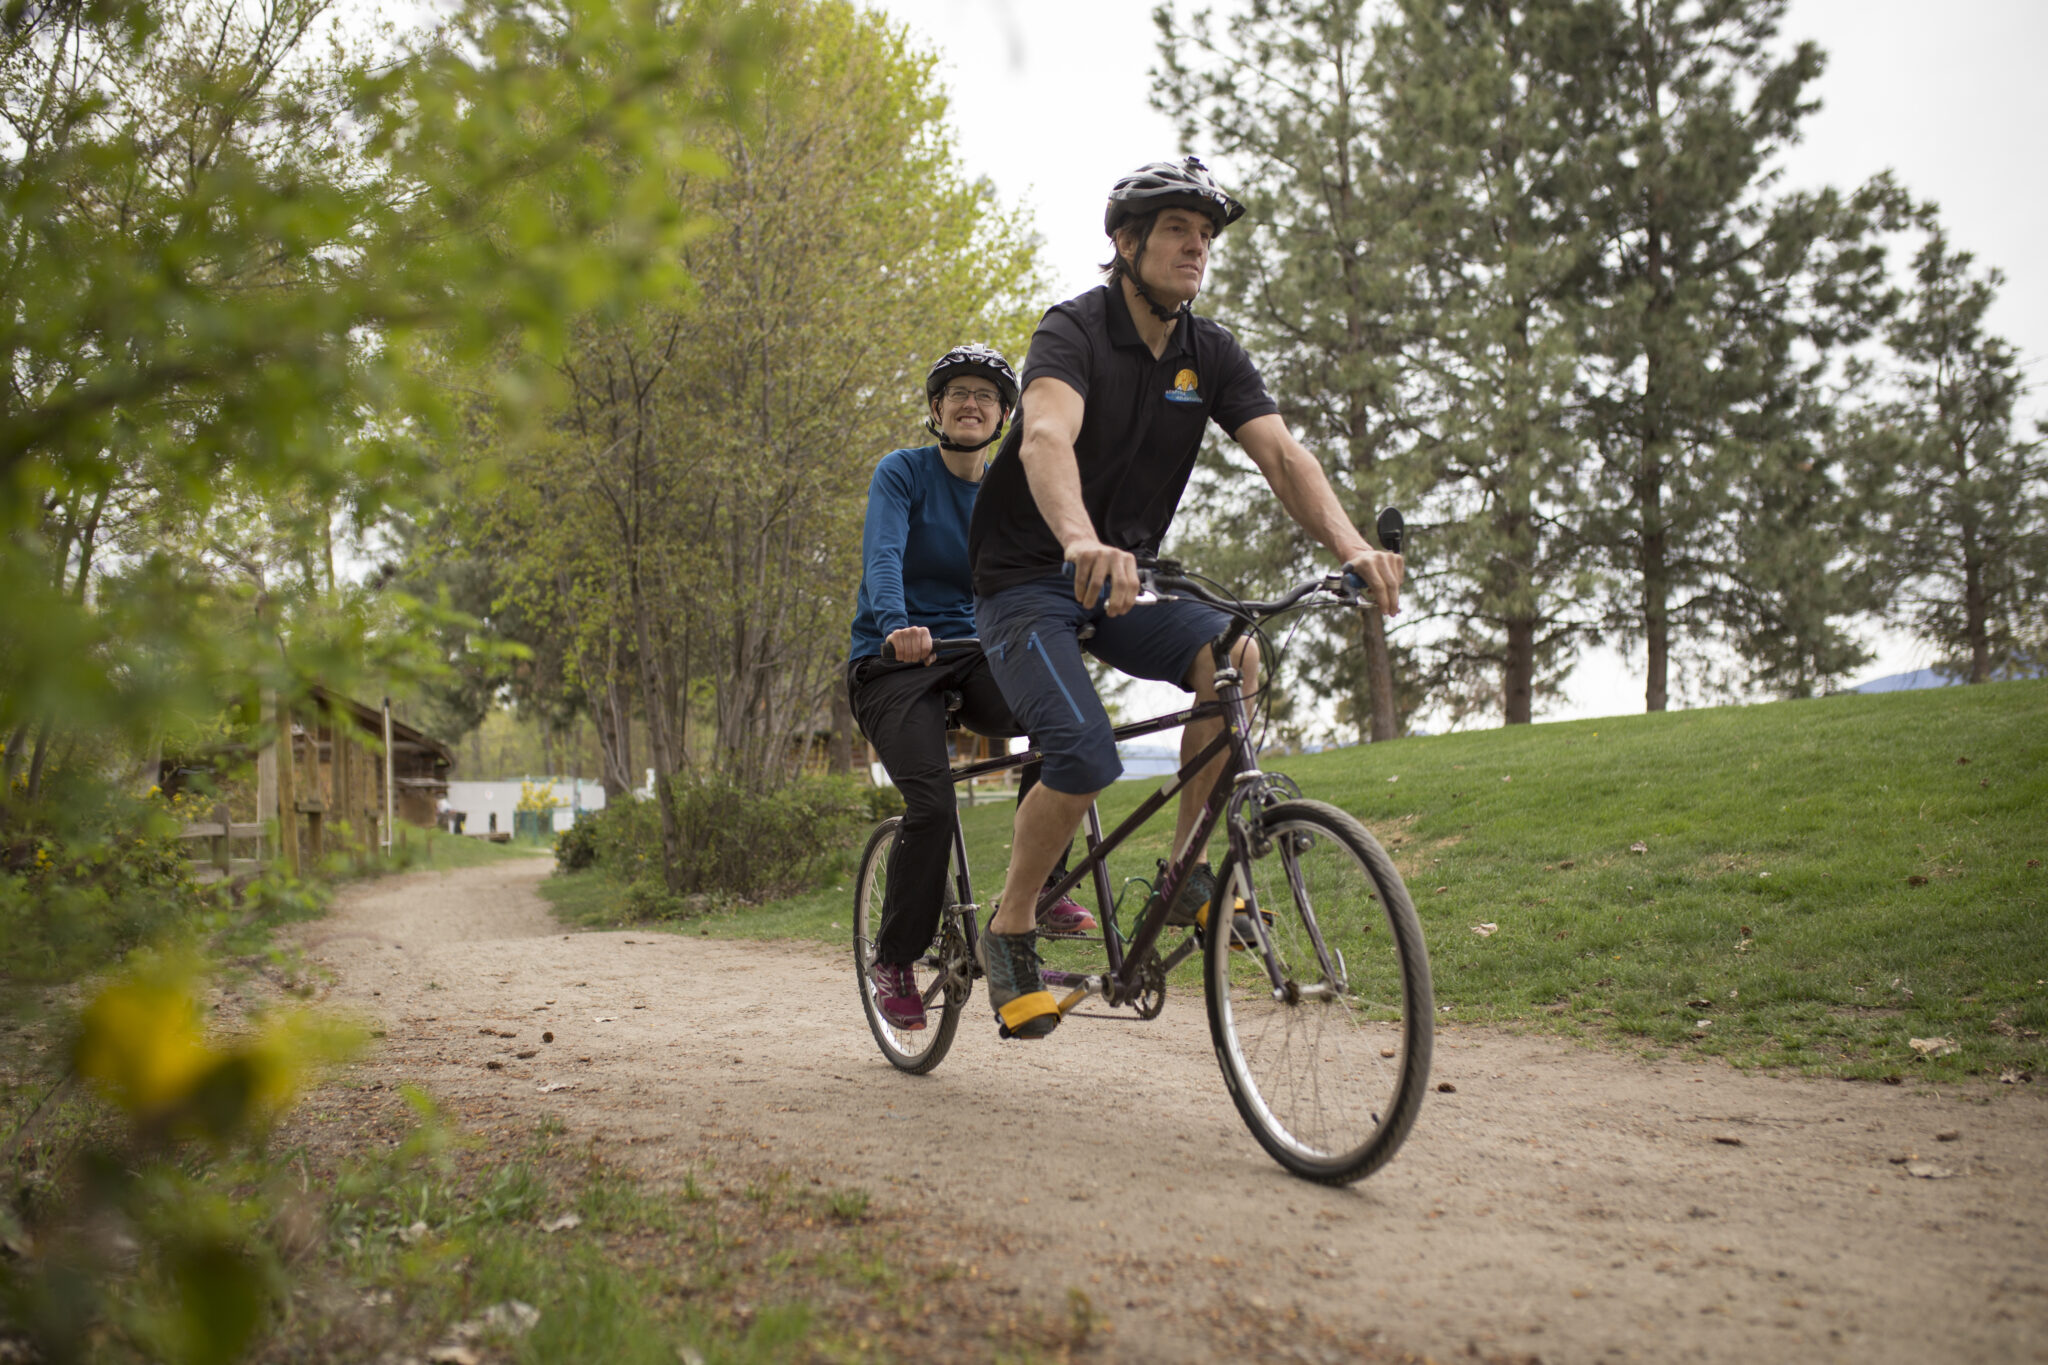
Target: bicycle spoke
(1329, 1075)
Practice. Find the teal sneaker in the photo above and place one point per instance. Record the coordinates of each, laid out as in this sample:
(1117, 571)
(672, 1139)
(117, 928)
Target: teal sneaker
(1190, 899)
(1024, 1007)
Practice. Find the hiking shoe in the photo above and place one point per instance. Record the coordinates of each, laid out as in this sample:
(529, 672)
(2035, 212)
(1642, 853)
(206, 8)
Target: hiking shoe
(1242, 935)
(1024, 1007)
(1190, 899)
(896, 992)
(1065, 916)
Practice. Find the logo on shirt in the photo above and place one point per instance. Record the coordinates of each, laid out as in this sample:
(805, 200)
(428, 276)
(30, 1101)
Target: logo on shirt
(1186, 388)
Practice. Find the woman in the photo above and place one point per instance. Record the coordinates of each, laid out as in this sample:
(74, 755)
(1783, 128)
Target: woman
(915, 589)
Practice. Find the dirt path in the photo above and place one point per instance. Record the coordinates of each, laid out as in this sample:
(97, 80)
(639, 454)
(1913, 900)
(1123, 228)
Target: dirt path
(1561, 1203)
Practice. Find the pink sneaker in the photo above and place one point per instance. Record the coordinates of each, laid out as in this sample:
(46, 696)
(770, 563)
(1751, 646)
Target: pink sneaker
(1065, 916)
(896, 992)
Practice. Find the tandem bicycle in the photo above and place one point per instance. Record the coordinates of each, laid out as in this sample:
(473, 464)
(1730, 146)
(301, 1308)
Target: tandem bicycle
(1316, 979)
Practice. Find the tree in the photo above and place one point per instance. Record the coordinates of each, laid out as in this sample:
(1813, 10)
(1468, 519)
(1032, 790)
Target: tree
(691, 514)
(226, 247)
(1957, 501)
(1315, 280)
(1725, 307)
(1488, 114)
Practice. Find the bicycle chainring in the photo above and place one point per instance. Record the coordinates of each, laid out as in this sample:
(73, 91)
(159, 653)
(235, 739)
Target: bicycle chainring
(1151, 996)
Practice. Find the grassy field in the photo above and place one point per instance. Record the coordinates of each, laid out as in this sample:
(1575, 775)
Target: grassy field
(1810, 885)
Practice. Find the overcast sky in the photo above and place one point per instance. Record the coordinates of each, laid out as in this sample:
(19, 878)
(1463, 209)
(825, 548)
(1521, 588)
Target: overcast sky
(1051, 103)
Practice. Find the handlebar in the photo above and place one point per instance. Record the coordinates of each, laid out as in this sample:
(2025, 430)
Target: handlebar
(1161, 579)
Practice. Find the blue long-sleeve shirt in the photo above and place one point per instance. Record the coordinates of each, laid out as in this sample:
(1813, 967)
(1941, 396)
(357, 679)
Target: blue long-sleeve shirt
(914, 568)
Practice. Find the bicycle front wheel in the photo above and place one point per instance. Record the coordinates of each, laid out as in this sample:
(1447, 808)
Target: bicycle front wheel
(940, 975)
(1325, 1043)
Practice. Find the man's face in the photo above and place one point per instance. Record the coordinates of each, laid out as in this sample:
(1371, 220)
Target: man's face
(1176, 256)
(968, 409)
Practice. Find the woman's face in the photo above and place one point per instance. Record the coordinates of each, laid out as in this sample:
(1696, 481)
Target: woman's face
(968, 409)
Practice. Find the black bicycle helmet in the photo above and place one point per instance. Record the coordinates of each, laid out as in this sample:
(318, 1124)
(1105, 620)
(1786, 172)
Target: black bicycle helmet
(1184, 184)
(972, 358)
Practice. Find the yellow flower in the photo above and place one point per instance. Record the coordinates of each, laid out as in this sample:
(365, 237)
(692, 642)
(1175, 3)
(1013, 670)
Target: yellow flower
(140, 1040)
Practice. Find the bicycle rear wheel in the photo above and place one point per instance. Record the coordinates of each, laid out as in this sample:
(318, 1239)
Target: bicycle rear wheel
(1329, 1070)
(938, 974)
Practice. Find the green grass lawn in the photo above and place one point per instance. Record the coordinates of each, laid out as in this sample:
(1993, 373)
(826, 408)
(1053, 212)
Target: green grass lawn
(1804, 884)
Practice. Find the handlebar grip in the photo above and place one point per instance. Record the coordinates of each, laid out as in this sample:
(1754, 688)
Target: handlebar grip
(1390, 527)
(940, 648)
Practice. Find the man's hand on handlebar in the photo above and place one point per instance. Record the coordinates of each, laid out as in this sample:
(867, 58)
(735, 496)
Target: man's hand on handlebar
(1096, 564)
(1381, 573)
(912, 644)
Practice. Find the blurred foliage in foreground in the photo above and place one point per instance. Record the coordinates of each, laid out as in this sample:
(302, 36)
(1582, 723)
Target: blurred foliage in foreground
(242, 243)
(124, 1240)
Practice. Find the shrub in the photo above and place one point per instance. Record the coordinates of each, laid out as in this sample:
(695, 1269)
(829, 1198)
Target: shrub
(883, 802)
(576, 846)
(735, 843)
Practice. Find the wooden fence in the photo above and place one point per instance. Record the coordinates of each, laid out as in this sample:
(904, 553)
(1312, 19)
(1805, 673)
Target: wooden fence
(220, 833)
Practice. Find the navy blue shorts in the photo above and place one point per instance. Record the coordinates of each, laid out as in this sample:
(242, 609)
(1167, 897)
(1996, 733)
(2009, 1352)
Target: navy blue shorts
(1030, 634)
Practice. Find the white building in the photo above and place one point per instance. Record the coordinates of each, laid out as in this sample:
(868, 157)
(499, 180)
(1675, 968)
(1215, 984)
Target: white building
(479, 802)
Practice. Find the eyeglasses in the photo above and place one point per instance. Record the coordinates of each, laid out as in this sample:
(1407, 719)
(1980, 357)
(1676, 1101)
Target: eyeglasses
(981, 398)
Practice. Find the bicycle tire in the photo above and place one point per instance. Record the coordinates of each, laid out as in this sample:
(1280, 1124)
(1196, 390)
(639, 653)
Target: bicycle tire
(1329, 1080)
(913, 1051)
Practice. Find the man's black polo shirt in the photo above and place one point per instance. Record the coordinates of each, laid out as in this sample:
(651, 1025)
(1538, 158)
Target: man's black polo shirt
(1139, 434)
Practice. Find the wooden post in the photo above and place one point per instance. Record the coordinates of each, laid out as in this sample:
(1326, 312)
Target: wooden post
(287, 794)
(344, 786)
(266, 768)
(390, 777)
(221, 850)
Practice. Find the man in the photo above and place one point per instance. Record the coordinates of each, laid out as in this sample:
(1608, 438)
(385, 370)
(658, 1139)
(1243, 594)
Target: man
(1119, 386)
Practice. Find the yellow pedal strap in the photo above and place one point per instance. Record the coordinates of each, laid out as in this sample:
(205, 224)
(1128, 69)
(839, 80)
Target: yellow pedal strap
(1202, 915)
(1025, 1008)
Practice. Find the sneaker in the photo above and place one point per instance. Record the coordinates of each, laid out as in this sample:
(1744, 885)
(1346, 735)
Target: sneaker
(1190, 899)
(896, 992)
(1024, 1007)
(1065, 916)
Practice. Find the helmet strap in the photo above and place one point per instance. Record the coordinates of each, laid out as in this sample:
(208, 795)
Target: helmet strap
(948, 443)
(1138, 284)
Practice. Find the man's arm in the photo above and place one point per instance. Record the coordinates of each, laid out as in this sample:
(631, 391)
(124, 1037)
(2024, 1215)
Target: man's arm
(1304, 490)
(1052, 419)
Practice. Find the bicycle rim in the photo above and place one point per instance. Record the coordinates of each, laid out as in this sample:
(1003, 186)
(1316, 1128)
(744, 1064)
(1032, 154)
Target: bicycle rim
(916, 1051)
(1330, 1077)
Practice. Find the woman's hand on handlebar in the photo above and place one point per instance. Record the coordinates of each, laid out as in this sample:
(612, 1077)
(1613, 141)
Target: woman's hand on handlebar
(910, 645)
(1096, 565)
(1381, 573)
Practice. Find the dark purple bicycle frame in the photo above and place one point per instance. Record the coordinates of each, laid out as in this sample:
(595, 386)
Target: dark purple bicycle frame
(1229, 707)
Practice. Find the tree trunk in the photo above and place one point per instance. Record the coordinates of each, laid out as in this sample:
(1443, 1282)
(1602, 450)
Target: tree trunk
(841, 755)
(1518, 680)
(1975, 622)
(614, 739)
(1656, 571)
(1379, 675)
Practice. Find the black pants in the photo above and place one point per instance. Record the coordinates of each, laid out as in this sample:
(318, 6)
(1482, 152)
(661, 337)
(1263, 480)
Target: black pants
(901, 708)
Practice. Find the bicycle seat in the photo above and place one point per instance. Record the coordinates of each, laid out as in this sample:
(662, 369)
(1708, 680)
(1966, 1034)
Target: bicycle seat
(954, 701)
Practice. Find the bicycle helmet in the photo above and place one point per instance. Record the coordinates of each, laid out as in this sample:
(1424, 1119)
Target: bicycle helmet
(1184, 184)
(977, 359)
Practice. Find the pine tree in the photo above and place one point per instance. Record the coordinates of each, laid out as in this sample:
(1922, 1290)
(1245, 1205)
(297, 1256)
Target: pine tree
(1726, 306)
(1957, 501)
(1304, 282)
(1409, 277)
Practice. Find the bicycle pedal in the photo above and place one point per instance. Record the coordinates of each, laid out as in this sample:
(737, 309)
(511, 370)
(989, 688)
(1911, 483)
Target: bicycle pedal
(1237, 943)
